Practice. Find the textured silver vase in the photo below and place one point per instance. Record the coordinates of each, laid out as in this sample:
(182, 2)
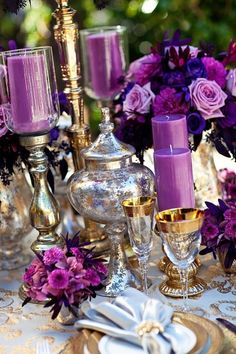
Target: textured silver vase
(14, 222)
(98, 190)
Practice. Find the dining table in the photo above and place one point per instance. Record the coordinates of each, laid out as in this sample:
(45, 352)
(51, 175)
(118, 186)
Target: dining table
(26, 326)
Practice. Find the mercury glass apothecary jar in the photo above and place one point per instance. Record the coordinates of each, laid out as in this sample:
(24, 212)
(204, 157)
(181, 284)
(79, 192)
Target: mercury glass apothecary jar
(98, 190)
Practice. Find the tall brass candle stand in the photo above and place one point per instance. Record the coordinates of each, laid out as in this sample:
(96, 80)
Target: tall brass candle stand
(67, 37)
(44, 210)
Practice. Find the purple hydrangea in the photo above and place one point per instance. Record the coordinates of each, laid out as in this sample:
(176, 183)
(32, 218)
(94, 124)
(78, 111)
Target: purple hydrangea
(169, 102)
(215, 71)
(53, 255)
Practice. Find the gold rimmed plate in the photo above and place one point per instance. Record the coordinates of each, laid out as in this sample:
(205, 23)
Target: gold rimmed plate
(209, 336)
(215, 336)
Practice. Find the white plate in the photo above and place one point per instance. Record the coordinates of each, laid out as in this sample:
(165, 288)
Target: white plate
(185, 340)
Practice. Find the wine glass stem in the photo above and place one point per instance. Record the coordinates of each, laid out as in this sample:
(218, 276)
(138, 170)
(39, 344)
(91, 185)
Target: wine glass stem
(143, 269)
(184, 281)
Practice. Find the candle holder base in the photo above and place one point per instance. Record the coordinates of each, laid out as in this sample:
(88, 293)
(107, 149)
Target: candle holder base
(172, 287)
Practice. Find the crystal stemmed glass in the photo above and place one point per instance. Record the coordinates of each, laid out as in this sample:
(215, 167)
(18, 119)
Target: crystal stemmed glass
(139, 213)
(181, 237)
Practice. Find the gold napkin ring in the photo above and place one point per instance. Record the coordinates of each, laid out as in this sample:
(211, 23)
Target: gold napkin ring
(149, 327)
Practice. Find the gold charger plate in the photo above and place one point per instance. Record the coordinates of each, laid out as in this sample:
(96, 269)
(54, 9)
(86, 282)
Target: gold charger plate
(201, 327)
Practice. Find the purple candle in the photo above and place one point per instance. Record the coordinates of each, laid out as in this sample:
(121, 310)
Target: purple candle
(30, 101)
(169, 130)
(174, 178)
(105, 58)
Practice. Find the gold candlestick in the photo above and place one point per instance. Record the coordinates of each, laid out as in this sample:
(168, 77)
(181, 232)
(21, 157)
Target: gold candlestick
(44, 210)
(67, 37)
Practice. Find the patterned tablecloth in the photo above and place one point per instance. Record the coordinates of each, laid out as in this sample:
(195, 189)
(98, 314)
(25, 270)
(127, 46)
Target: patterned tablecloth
(26, 326)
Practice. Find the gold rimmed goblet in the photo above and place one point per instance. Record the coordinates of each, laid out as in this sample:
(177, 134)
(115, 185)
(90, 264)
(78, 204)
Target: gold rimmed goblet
(139, 214)
(180, 232)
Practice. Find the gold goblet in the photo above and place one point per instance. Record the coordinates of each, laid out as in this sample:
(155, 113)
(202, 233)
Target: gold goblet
(180, 233)
(139, 213)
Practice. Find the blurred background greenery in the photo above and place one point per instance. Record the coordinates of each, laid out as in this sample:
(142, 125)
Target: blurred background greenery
(213, 21)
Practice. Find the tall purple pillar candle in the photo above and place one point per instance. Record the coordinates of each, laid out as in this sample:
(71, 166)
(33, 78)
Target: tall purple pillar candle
(174, 178)
(105, 58)
(28, 93)
(169, 130)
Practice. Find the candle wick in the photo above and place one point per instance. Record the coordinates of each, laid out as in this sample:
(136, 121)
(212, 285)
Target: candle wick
(171, 149)
(167, 117)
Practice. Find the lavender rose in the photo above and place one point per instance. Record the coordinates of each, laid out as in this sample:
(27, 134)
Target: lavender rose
(215, 70)
(141, 70)
(207, 97)
(231, 82)
(138, 100)
(169, 101)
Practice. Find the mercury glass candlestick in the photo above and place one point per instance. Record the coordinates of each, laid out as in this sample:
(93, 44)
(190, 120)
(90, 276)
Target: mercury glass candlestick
(98, 190)
(31, 110)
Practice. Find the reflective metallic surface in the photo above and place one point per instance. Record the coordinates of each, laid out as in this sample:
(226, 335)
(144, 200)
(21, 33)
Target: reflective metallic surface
(108, 178)
(44, 210)
(14, 222)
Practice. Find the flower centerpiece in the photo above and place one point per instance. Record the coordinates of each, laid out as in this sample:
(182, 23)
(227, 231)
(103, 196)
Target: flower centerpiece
(64, 276)
(219, 232)
(179, 78)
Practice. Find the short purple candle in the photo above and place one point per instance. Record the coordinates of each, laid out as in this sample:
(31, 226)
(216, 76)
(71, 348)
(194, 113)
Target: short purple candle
(169, 130)
(28, 92)
(105, 64)
(174, 178)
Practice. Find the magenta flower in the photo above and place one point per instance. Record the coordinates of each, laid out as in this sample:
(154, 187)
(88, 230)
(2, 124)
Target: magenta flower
(169, 102)
(64, 276)
(215, 71)
(58, 279)
(141, 70)
(230, 230)
(209, 231)
(53, 255)
(230, 214)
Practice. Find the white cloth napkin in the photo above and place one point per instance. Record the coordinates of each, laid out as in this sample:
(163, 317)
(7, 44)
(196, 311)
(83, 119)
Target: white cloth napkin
(129, 314)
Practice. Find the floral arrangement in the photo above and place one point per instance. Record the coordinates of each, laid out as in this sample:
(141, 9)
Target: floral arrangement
(178, 78)
(64, 276)
(219, 231)
(227, 179)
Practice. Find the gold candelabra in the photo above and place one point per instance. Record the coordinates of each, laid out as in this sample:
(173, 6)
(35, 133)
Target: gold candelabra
(67, 37)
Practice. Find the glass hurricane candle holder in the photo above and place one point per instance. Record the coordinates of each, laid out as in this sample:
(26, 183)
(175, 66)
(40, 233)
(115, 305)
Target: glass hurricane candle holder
(31, 109)
(104, 54)
(181, 237)
(31, 106)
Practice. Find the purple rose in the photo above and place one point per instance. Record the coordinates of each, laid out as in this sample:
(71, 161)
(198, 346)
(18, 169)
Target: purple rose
(231, 82)
(174, 78)
(207, 97)
(229, 111)
(141, 70)
(196, 124)
(138, 100)
(215, 70)
(169, 101)
(195, 69)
